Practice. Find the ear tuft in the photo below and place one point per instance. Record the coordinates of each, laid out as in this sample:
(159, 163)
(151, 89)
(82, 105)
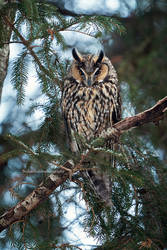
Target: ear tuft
(100, 57)
(76, 55)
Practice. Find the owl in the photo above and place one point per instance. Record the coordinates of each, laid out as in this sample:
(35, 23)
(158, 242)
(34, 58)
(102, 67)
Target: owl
(90, 105)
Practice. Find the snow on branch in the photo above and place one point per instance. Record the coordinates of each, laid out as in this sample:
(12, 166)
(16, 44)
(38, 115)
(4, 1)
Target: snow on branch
(23, 208)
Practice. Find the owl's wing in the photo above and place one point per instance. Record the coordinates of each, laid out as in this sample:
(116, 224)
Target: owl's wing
(118, 106)
(74, 147)
(117, 112)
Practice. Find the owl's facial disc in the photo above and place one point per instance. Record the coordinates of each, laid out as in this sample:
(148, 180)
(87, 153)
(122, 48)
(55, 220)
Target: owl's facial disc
(89, 69)
(89, 78)
(86, 77)
(92, 77)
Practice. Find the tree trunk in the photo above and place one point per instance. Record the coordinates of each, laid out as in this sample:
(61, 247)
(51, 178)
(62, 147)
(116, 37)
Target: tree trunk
(5, 49)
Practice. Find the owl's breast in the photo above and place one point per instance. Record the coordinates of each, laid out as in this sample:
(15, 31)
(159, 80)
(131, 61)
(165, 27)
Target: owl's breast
(89, 111)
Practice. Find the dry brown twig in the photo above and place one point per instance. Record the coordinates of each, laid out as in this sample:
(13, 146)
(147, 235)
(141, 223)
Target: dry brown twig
(18, 212)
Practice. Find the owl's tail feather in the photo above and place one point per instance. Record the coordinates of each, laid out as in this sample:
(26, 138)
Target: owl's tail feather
(101, 184)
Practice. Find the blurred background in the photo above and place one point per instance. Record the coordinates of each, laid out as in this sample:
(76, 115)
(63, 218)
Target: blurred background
(138, 52)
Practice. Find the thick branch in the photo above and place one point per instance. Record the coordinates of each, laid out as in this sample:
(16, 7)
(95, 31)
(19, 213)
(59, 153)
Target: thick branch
(153, 114)
(39, 194)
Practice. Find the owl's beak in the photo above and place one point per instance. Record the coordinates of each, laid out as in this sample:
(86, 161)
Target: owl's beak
(89, 81)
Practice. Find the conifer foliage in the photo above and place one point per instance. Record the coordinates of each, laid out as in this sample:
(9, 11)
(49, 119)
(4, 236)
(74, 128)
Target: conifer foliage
(29, 157)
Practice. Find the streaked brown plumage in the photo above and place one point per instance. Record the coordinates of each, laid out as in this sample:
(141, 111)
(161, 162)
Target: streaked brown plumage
(91, 104)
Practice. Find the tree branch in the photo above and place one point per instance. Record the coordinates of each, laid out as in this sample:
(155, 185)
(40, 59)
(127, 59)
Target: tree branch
(61, 174)
(154, 114)
(18, 212)
(27, 45)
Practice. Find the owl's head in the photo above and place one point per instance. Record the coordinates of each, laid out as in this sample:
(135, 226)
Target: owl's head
(90, 69)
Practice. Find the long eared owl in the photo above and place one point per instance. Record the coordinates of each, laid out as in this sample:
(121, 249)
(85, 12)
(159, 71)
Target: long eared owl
(91, 104)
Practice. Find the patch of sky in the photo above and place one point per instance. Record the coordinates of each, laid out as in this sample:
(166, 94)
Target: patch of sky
(73, 217)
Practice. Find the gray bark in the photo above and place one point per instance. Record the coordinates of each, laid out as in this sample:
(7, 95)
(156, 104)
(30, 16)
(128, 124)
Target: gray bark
(4, 58)
(5, 50)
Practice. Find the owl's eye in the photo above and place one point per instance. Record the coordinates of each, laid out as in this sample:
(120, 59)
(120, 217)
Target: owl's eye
(81, 72)
(97, 72)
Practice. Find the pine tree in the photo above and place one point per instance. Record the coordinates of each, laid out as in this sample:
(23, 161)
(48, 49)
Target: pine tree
(138, 180)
